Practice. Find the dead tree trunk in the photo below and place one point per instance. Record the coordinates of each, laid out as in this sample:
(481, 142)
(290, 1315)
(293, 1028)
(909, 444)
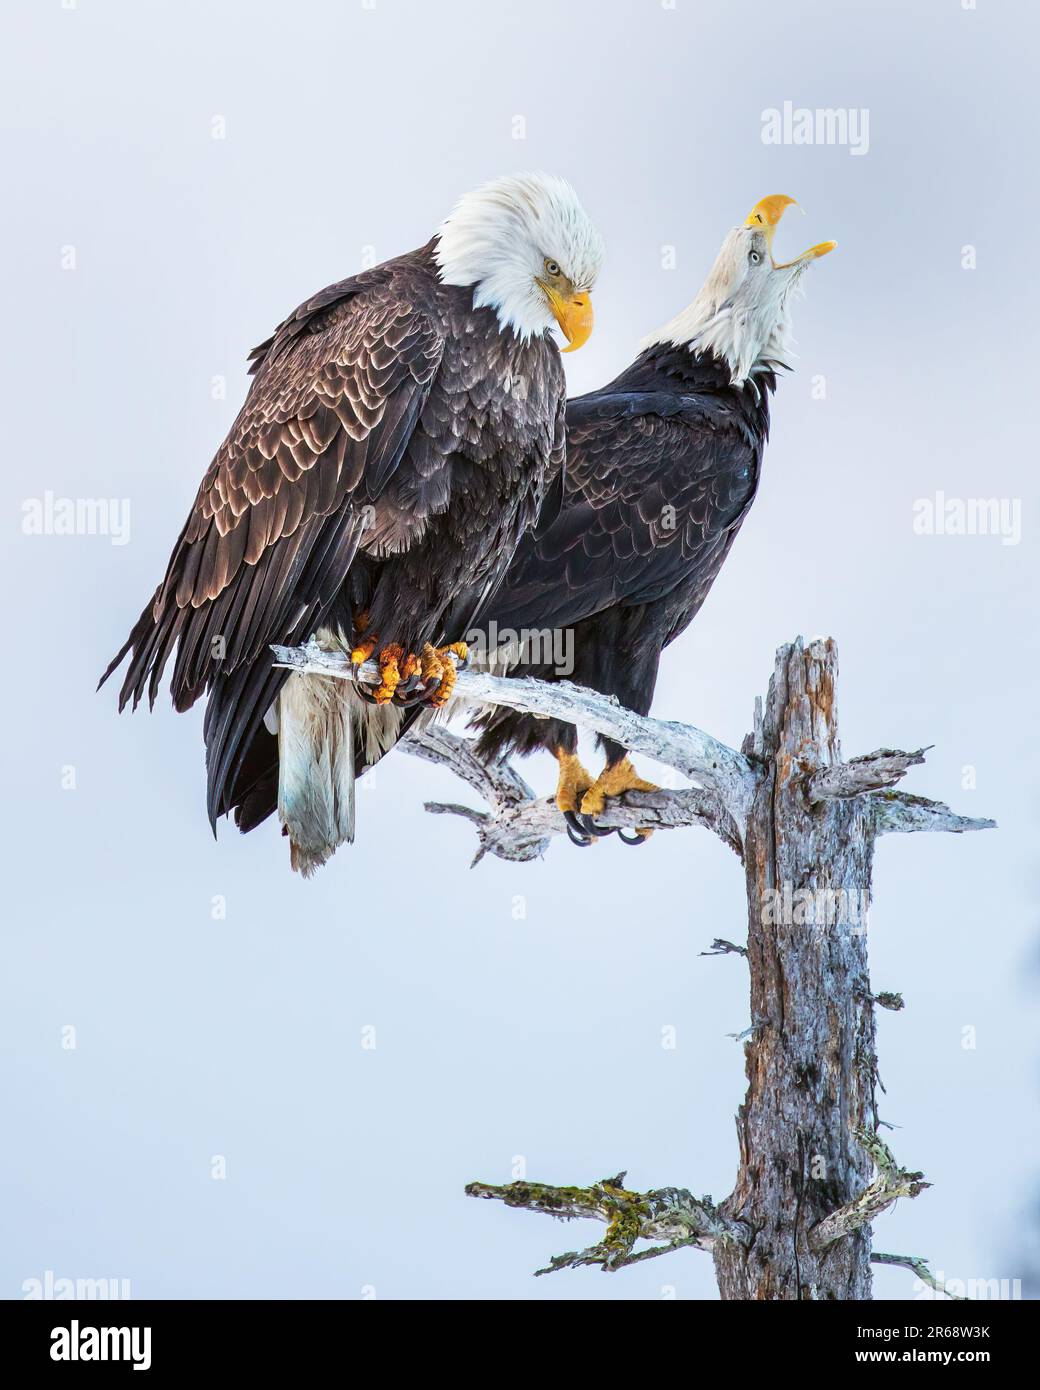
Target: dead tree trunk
(810, 1058)
(813, 1171)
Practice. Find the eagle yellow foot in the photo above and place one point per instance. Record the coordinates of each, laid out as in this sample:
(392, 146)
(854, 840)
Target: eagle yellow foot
(394, 668)
(614, 780)
(574, 781)
(436, 666)
(406, 678)
(364, 649)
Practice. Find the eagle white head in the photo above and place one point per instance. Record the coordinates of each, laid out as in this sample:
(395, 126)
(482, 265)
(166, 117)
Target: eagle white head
(528, 248)
(741, 314)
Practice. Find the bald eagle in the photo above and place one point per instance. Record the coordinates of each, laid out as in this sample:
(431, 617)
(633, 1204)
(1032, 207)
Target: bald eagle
(395, 443)
(662, 467)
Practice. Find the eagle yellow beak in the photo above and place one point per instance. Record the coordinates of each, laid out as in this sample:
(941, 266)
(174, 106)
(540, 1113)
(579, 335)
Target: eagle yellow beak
(767, 214)
(813, 254)
(574, 315)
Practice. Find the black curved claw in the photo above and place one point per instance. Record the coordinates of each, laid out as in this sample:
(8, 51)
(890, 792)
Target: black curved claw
(575, 831)
(365, 692)
(631, 839)
(412, 692)
(591, 828)
(407, 700)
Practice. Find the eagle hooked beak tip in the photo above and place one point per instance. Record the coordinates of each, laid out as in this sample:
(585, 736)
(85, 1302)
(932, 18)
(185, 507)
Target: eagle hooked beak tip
(767, 213)
(573, 314)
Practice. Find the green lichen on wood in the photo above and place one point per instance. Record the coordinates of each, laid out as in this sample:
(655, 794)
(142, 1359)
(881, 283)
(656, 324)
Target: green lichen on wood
(889, 999)
(630, 1216)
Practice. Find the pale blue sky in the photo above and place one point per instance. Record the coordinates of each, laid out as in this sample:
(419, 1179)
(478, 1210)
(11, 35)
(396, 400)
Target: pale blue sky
(349, 126)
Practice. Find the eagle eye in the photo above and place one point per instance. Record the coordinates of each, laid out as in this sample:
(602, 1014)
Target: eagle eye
(552, 268)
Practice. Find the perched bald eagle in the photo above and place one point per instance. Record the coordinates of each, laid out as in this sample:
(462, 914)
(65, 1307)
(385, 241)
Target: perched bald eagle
(662, 467)
(395, 443)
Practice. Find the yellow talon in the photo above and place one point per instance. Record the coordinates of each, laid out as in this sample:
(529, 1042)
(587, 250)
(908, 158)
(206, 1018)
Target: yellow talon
(442, 694)
(574, 780)
(432, 666)
(389, 672)
(437, 665)
(410, 666)
(614, 781)
(360, 654)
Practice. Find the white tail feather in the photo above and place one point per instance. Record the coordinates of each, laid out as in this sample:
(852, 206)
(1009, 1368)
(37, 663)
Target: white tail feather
(315, 768)
(322, 725)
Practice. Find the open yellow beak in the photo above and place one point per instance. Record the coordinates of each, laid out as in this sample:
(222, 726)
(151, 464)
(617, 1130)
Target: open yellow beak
(767, 214)
(574, 316)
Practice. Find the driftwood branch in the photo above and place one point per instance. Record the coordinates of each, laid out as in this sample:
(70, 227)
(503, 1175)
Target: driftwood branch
(804, 822)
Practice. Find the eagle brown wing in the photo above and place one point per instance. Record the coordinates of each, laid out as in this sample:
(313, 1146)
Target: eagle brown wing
(279, 514)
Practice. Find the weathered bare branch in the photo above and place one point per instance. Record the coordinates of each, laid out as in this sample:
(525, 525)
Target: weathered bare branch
(721, 947)
(890, 1183)
(518, 833)
(498, 783)
(520, 825)
(920, 1268)
(866, 773)
(690, 751)
(669, 1214)
(901, 813)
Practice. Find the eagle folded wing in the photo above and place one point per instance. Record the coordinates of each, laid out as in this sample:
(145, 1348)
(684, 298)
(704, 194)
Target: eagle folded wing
(650, 500)
(278, 516)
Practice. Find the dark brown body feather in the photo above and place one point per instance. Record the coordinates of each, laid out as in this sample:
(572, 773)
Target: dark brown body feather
(393, 447)
(662, 466)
